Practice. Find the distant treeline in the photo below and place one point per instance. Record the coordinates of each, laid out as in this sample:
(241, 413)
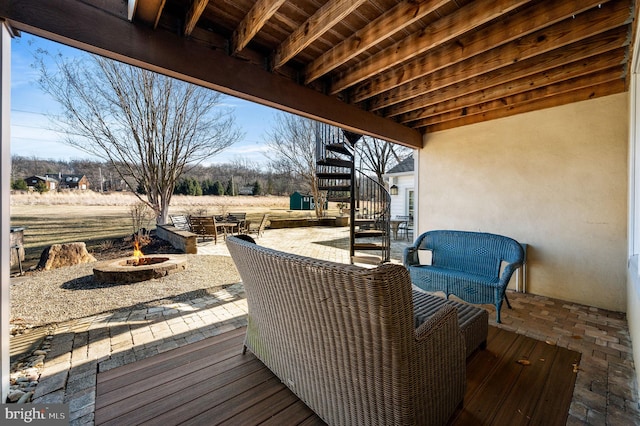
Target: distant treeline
(221, 179)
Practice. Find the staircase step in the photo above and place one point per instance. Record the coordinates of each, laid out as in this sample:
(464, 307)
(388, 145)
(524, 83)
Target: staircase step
(367, 246)
(335, 162)
(338, 199)
(351, 137)
(342, 188)
(368, 260)
(369, 233)
(339, 148)
(324, 175)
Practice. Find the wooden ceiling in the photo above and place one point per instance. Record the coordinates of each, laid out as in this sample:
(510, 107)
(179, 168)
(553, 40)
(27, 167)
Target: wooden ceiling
(388, 68)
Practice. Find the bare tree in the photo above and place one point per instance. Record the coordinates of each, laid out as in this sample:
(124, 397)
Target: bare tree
(150, 127)
(378, 156)
(292, 144)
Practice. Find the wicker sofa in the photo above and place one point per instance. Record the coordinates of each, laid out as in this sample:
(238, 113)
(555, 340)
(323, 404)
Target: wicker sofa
(343, 339)
(474, 266)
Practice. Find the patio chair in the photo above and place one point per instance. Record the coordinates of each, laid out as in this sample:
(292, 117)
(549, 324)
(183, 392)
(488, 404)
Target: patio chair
(241, 219)
(180, 222)
(405, 228)
(204, 226)
(260, 229)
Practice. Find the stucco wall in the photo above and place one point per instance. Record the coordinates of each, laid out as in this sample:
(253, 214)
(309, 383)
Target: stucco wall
(555, 179)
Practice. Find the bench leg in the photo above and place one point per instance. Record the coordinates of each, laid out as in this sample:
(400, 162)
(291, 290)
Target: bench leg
(507, 300)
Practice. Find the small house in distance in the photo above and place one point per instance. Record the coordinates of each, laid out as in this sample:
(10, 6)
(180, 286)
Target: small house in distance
(298, 201)
(34, 181)
(70, 181)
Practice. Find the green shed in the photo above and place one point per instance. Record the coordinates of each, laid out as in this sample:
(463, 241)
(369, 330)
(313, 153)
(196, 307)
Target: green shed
(298, 201)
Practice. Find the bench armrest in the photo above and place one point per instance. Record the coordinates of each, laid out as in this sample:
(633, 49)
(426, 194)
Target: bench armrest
(410, 257)
(508, 270)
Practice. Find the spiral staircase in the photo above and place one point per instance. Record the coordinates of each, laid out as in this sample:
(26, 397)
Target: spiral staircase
(368, 200)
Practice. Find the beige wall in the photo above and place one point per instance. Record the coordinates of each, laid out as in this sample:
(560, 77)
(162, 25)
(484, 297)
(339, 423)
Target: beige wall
(555, 179)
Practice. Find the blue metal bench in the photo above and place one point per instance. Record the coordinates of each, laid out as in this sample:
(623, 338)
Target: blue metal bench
(474, 266)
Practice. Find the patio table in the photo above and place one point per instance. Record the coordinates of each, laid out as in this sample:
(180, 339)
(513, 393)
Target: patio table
(227, 227)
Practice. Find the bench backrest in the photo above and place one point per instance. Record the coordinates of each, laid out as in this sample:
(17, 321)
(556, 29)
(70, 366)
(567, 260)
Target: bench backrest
(343, 339)
(240, 217)
(474, 252)
(203, 225)
(180, 222)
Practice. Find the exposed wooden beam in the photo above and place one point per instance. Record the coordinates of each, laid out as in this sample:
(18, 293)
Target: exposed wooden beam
(445, 29)
(475, 91)
(253, 22)
(398, 18)
(519, 56)
(583, 82)
(193, 15)
(77, 24)
(605, 89)
(323, 20)
(149, 11)
(537, 19)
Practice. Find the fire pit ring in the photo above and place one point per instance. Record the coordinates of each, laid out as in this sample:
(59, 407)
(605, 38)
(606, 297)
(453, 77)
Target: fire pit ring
(132, 269)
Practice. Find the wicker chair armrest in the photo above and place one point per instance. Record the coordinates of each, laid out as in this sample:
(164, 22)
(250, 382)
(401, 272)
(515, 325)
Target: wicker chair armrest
(444, 317)
(439, 367)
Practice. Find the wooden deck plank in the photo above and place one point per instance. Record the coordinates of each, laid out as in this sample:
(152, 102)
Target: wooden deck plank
(521, 403)
(154, 387)
(172, 368)
(484, 362)
(481, 406)
(253, 400)
(297, 414)
(265, 410)
(221, 404)
(213, 383)
(129, 369)
(558, 390)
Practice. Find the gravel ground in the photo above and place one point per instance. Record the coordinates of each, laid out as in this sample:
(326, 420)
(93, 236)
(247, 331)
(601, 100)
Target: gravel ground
(46, 297)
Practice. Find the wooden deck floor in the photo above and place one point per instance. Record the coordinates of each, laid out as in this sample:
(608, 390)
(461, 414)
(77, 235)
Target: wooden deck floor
(210, 382)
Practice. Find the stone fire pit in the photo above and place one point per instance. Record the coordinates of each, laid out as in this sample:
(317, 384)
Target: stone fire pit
(132, 269)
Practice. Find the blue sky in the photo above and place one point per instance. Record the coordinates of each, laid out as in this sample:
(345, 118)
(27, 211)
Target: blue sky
(31, 108)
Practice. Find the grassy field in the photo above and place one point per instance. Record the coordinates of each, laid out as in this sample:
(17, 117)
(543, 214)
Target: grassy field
(95, 219)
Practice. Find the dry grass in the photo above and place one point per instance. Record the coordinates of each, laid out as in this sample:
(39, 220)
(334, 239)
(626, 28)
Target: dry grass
(53, 218)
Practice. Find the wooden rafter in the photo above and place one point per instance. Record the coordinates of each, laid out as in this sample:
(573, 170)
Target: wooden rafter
(517, 51)
(193, 15)
(400, 17)
(149, 11)
(583, 94)
(607, 75)
(536, 18)
(323, 20)
(259, 14)
(448, 28)
(502, 83)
